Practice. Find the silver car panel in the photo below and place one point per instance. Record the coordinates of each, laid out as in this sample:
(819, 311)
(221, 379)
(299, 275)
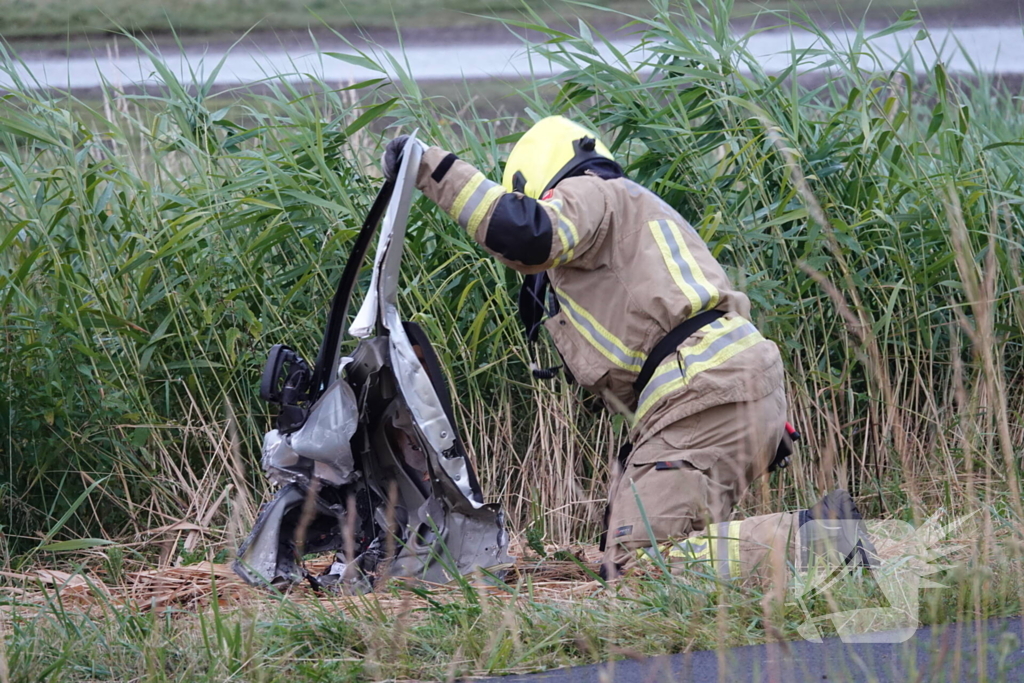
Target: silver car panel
(378, 461)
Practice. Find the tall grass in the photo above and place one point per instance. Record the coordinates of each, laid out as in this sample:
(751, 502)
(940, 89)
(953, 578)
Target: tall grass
(155, 246)
(150, 250)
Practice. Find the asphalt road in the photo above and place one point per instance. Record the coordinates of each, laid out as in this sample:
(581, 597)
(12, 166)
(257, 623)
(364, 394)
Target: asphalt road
(975, 651)
(993, 49)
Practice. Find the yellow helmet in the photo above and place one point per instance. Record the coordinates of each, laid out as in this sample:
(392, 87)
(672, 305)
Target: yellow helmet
(547, 153)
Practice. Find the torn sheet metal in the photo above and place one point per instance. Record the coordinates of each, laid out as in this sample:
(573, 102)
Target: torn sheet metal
(366, 455)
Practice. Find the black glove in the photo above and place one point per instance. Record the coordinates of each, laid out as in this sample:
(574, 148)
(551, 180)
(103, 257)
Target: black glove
(392, 158)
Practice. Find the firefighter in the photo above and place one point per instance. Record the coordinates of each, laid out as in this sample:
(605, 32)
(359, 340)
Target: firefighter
(645, 317)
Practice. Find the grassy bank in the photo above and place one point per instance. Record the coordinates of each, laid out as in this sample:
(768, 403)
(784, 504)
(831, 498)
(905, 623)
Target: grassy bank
(153, 248)
(228, 634)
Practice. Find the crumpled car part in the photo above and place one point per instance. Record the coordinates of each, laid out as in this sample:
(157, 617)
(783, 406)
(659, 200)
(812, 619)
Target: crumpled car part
(366, 452)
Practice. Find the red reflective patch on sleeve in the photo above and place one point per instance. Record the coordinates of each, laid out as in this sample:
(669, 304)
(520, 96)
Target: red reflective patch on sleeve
(547, 195)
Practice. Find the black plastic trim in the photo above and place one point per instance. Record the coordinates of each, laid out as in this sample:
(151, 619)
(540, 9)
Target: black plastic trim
(417, 337)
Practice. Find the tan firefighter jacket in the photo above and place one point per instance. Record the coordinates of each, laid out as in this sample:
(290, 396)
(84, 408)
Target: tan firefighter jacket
(626, 269)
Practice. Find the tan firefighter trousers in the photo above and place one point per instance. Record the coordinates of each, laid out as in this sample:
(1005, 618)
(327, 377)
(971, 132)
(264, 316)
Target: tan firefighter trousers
(687, 479)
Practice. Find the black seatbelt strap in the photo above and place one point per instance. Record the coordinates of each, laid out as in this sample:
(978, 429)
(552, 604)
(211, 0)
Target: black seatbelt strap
(331, 343)
(670, 343)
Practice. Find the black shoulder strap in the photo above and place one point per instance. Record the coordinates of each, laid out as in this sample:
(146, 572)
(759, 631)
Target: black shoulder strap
(532, 296)
(536, 302)
(670, 343)
(331, 344)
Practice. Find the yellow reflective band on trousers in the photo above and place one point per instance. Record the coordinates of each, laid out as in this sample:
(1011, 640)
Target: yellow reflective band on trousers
(727, 558)
(473, 201)
(683, 268)
(719, 548)
(566, 231)
(690, 550)
(610, 346)
(723, 340)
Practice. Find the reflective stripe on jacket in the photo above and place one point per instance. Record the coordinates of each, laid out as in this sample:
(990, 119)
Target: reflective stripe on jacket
(626, 269)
